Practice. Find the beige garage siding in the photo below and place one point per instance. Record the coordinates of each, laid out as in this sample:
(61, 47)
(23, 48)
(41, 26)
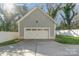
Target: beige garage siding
(30, 21)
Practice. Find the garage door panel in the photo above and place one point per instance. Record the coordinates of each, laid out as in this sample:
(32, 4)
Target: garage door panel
(36, 34)
(30, 34)
(42, 34)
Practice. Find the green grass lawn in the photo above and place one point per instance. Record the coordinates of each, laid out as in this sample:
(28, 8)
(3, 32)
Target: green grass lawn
(10, 42)
(67, 39)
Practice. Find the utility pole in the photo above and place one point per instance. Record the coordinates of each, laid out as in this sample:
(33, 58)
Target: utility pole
(36, 43)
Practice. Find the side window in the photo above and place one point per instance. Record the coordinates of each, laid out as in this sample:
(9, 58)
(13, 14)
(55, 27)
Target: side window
(34, 29)
(28, 29)
(39, 29)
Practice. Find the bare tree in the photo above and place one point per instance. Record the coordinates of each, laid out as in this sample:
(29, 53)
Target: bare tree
(69, 14)
(9, 19)
(53, 9)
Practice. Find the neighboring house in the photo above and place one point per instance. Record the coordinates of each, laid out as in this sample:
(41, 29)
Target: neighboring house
(36, 25)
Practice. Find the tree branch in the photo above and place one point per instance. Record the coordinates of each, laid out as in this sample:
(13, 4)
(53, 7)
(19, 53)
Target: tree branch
(74, 14)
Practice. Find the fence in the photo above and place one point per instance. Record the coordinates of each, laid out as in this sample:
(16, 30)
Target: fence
(6, 36)
(72, 32)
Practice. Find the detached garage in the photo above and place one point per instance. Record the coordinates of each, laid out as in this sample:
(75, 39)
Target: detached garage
(36, 25)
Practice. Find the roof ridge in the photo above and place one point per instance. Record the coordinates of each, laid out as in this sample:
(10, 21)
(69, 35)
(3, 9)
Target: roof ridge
(32, 11)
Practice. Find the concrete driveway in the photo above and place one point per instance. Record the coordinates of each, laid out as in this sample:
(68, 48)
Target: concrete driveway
(39, 48)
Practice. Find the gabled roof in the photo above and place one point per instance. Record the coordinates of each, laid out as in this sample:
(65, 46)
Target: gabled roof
(34, 9)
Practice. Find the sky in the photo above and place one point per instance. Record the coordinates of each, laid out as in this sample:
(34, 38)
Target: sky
(32, 5)
(59, 18)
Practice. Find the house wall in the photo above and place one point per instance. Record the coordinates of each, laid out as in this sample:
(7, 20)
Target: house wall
(30, 21)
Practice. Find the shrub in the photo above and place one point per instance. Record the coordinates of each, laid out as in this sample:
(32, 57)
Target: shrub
(10, 42)
(67, 39)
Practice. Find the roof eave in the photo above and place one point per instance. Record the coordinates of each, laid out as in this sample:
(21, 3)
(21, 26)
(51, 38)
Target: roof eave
(31, 12)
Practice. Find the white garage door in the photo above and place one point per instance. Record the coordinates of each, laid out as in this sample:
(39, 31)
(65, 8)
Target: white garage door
(36, 33)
